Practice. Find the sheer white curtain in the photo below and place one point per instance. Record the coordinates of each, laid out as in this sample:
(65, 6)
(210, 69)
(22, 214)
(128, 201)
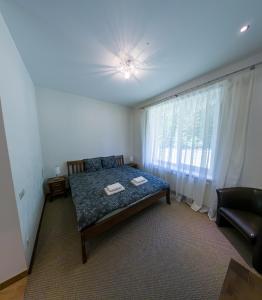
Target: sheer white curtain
(197, 141)
(231, 138)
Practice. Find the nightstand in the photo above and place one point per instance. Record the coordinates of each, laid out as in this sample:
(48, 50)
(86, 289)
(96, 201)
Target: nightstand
(133, 165)
(57, 186)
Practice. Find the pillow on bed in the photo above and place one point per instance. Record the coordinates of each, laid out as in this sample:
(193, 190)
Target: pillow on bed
(109, 162)
(93, 164)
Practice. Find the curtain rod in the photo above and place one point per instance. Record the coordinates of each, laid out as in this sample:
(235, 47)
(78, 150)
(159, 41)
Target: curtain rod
(251, 67)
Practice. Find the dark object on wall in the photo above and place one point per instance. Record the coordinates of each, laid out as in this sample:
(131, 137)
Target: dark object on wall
(242, 208)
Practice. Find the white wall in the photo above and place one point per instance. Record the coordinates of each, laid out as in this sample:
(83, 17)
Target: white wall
(251, 60)
(74, 127)
(252, 170)
(12, 259)
(22, 134)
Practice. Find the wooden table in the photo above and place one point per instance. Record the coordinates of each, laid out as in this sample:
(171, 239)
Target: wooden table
(241, 284)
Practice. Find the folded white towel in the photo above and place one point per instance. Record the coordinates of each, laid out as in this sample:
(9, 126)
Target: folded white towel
(139, 183)
(114, 192)
(114, 187)
(139, 179)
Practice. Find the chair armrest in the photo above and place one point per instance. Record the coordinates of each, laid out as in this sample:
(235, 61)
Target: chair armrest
(237, 197)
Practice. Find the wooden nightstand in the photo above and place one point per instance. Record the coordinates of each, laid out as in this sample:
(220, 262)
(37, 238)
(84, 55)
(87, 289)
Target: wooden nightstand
(57, 186)
(133, 165)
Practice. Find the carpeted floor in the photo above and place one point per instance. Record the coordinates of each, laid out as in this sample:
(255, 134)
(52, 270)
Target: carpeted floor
(165, 252)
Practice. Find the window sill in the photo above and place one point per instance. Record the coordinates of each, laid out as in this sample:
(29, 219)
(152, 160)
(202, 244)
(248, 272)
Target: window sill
(175, 172)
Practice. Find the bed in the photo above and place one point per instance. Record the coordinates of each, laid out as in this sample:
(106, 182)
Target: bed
(97, 212)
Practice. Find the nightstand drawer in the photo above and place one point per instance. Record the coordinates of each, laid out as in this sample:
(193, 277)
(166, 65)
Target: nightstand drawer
(57, 186)
(58, 192)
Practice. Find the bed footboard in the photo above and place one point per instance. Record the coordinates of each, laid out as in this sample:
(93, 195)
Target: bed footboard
(106, 224)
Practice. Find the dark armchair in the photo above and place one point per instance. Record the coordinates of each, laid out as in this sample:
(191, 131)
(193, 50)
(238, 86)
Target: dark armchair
(242, 208)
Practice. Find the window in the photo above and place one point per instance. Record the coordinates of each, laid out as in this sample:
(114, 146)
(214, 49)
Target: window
(181, 133)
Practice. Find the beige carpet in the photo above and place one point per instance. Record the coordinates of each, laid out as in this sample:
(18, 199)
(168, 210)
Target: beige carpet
(165, 252)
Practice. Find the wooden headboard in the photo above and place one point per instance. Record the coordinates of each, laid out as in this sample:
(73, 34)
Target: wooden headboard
(77, 166)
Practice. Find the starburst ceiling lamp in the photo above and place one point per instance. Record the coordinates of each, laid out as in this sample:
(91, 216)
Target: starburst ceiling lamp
(128, 66)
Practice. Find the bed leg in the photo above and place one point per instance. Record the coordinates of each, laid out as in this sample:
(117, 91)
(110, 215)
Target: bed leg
(168, 196)
(83, 244)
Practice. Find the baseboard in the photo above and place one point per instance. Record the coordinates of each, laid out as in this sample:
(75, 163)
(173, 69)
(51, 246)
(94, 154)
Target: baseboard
(36, 239)
(12, 280)
(26, 272)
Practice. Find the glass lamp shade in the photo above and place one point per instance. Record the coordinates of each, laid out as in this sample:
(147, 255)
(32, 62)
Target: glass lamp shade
(57, 171)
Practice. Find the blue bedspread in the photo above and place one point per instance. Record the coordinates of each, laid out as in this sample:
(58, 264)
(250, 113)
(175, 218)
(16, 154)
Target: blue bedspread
(91, 201)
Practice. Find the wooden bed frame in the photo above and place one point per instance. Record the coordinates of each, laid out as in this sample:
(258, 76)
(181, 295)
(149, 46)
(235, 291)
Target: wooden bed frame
(91, 231)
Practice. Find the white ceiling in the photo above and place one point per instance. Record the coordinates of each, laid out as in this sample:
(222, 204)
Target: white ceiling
(72, 45)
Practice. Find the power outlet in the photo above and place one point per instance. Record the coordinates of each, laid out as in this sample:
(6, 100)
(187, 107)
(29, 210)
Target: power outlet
(21, 194)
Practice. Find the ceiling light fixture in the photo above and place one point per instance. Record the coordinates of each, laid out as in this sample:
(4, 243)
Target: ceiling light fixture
(128, 67)
(244, 28)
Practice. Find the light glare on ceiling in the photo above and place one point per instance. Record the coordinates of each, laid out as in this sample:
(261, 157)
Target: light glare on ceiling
(244, 28)
(127, 75)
